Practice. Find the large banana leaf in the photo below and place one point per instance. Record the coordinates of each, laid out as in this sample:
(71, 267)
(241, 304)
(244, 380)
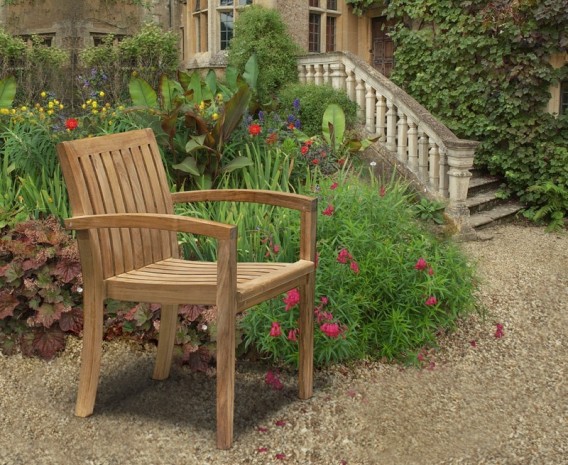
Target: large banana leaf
(7, 91)
(142, 94)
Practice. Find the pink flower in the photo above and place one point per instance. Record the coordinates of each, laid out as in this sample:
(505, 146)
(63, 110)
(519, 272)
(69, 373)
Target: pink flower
(292, 298)
(324, 316)
(431, 301)
(499, 331)
(324, 300)
(276, 248)
(304, 149)
(329, 210)
(343, 256)
(354, 267)
(334, 186)
(260, 450)
(254, 129)
(293, 335)
(71, 123)
(431, 271)
(273, 380)
(331, 330)
(280, 456)
(280, 423)
(275, 330)
(421, 264)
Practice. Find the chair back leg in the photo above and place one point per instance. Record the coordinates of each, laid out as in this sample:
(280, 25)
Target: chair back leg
(166, 340)
(306, 343)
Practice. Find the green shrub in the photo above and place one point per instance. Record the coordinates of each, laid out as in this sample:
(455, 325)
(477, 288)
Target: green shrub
(385, 285)
(312, 100)
(260, 30)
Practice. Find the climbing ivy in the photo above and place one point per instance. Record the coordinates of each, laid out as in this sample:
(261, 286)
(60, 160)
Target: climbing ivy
(483, 68)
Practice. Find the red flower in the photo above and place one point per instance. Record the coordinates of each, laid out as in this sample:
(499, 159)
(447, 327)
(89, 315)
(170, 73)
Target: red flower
(430, 271)
(304, 149)
(71, 123)
(315, 161)
(292, 298)
(499, 331)
(276, 248)
(473, 343)
(354, 267)
(280, 456)
(341, 161)
(293, 335)
(431, 301)
(343, 256)
(280, 423)
(254, 129)
(331, 330)
(324, 300)
(334, 186)
(328, 211)
(262, 449)
(275, 330)
(420, 264)
(383, 191)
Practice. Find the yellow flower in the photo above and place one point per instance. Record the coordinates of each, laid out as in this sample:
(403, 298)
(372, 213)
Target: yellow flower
(43, 94)
(121, 107)
(202, 105)
(107, 105)
(50, 104)
(219, 97)
(60, 106)
(94, 112)
(13, 111)
(103, 109)
(215, 116)
(84, 106)
(41, 110)
(56, 101)
(50, 112)
(94, 104)
(24, 108)
(101, 94)
(4, 111)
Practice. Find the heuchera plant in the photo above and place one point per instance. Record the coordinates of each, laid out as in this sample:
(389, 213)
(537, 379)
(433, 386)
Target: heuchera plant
(40, 288)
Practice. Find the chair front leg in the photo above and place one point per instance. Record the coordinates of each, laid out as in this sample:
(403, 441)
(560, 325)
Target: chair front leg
(306, 368)
(166, 340)
(92, 349)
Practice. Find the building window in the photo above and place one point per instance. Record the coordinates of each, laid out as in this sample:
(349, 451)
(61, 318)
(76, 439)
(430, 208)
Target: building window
(330, 34)
(564, 98)
(314, 36)
(226, 29)
(322, 30)
(43, 39)
(200, 12)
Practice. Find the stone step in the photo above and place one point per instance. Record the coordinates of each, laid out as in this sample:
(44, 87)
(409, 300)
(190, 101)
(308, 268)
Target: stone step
(482, 201)
(495, 215)
(483, 183)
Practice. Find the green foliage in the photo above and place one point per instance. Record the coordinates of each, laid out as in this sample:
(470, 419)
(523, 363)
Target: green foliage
(430, 210)
(313, 100)
(262, 32)
(369, 292)
(40, 288)
(7, 91)
(483, 69)
(35, 67)
(556, 208)
(149, 54)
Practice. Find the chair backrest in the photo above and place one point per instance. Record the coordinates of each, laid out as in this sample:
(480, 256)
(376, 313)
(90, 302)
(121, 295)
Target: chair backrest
(119, 173)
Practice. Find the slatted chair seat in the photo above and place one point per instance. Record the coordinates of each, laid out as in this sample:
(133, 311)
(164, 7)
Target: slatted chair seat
(127, 235)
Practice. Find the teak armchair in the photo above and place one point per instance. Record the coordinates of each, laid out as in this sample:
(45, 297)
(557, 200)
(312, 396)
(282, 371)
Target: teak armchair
(126, 230)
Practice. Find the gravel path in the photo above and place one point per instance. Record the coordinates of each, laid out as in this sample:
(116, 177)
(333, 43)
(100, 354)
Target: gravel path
(479, 400)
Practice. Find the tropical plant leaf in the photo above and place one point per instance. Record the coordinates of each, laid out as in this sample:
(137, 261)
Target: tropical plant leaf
(251, 71)
(169, 91)
(189, 165)
(237, 163)
(142, 94)
(7, 91)
(333, 125)
(195, 86)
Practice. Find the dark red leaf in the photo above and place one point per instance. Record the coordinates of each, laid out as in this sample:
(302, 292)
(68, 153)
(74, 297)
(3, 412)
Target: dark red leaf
(47, 313)
(8, 303)
(199, 360)
(67, 270)
(191, 312)
(47, 343)
(72, 321)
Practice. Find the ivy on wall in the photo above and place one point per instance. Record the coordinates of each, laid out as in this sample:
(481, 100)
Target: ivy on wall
(483, 69)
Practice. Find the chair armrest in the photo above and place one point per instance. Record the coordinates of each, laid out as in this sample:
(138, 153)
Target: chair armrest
(280, 199)
(153, 221)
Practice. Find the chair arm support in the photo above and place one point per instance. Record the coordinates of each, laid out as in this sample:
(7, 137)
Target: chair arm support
(280, 199)
(153, 221)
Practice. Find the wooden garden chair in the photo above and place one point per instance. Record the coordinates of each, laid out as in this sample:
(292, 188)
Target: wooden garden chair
(126, 230)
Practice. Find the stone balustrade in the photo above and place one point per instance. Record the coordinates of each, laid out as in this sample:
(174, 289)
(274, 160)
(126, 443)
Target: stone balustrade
(440, 161)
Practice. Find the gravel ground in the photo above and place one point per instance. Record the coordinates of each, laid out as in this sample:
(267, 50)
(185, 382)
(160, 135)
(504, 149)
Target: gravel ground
(479, 400)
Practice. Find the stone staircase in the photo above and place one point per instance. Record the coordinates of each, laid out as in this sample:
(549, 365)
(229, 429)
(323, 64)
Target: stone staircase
(485, 207)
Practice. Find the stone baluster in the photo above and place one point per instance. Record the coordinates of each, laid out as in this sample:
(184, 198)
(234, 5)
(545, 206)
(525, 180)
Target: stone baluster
(370, 107)
(412, 147)
(402, 139)
(460, 161)
(381, 111)
(434, 165)
(443, 184)
(391, 126)
(350, 82)
(318, 75)
(326, 73)
(423, 156)
(360, 95)
(302, 74)
(310, 74)
(338, 76)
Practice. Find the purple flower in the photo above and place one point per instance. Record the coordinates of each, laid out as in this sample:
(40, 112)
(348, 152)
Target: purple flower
(296, 104)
